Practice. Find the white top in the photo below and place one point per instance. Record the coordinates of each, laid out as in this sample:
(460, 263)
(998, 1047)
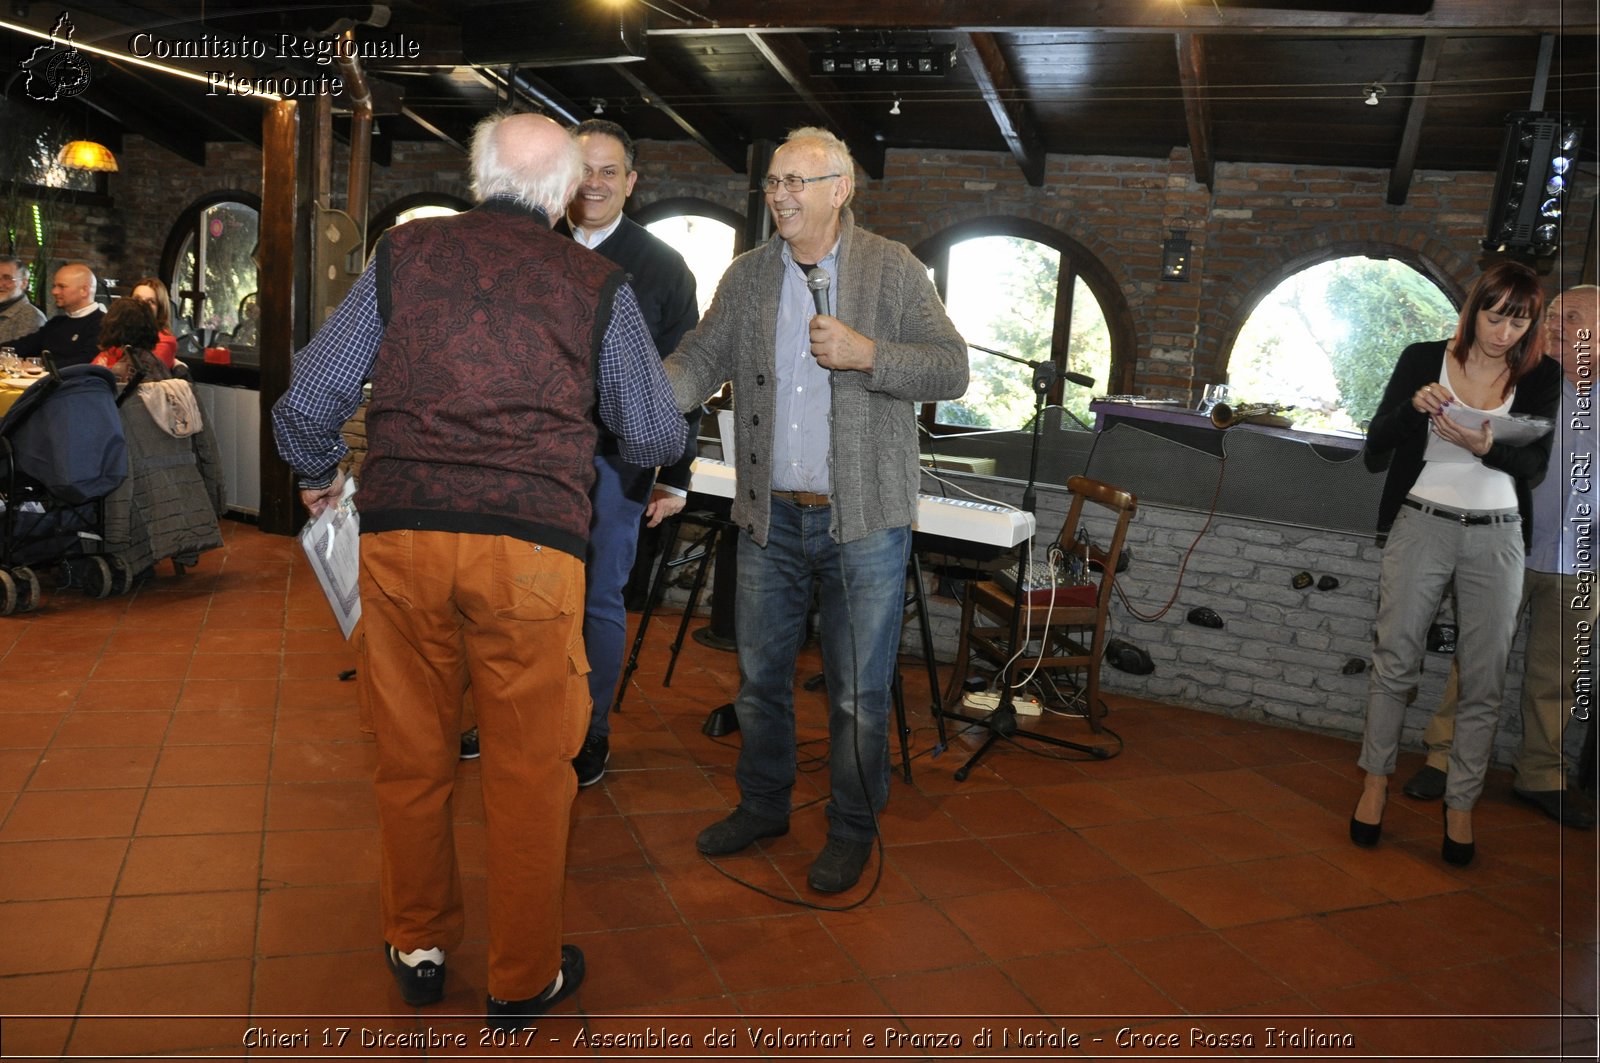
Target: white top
(1456, 478)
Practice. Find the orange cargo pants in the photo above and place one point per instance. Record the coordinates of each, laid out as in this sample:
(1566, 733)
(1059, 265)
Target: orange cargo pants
(442, 612)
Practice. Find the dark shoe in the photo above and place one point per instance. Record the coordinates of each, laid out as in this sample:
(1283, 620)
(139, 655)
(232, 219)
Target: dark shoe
(1426, 785)
(590, 763)
(839, 865)
(738, 831)
(469, 744)
(1566, 807)
(1366, 835)
(1456, 854)
(420, 984)
(512, 1015)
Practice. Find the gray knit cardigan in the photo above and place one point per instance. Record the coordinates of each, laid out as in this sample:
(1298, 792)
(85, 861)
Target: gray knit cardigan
(884, 294)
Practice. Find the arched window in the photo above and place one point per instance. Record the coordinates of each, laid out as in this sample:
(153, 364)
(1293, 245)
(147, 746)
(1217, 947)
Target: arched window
(210, 259)
(409, 208)
(705, 234)
(1027, 290)
(1325, 339)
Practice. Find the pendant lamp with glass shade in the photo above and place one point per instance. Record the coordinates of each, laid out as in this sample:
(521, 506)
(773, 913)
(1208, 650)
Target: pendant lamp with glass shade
(87, 155)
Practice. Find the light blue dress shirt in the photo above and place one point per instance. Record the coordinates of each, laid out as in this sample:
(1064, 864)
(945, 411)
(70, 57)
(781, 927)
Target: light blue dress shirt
(800, 438)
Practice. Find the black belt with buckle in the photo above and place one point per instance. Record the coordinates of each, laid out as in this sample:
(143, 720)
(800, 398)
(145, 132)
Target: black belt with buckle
(1468, 519)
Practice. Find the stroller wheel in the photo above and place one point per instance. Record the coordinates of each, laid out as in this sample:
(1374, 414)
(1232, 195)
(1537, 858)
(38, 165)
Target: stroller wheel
(8, 593)
(97, 578)
(121, 575)
(27, 589)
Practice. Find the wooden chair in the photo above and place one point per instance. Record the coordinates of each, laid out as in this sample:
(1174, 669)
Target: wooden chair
(1076, 634)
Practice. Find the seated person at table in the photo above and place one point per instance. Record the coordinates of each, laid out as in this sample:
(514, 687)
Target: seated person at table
(72, 336)
(128, 326)
(18, 317)
(152, 293)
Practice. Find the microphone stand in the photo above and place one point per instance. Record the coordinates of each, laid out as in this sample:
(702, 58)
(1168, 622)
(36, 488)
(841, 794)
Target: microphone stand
(1002, 722)
(1075, 378)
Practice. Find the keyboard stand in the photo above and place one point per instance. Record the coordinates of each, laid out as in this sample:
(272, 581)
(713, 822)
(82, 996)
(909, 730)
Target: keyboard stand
(714, 526)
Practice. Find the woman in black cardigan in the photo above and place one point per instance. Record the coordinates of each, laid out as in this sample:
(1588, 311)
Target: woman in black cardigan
(1456, 505)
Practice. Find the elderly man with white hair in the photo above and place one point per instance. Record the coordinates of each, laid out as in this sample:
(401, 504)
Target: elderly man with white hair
(490, 341)
(825, 413)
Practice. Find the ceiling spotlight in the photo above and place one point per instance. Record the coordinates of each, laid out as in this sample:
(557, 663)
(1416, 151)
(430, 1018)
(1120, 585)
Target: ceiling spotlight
(1373, 93)
(598, 104)
(896, 108)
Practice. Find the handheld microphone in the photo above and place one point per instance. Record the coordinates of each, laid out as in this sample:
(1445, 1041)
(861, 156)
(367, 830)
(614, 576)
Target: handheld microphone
(817, 280)
(1080, 379)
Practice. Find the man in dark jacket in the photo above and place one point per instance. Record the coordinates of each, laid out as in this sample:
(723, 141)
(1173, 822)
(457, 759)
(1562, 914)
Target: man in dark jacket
(623, 491)
(490, 343)
(72, 337)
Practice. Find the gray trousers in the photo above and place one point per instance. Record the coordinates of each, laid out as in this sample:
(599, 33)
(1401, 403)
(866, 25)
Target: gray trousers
(1422, 555)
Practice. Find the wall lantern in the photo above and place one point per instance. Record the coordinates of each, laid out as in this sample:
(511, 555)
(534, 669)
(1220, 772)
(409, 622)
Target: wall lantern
(1175, 257)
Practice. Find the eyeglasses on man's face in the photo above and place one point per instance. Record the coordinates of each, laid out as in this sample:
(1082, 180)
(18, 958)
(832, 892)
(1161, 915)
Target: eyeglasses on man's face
(792, 182)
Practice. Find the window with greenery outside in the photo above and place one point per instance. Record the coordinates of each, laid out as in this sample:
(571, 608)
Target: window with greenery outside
(1325, 340)
(1004, 292)
(216, 270)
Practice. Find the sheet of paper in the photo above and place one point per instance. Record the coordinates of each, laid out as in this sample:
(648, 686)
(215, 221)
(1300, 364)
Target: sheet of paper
(1513, 430)
(332, 544)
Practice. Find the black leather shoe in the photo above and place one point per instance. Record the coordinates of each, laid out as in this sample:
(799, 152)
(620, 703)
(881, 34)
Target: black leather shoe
(1456, 854)
(1426, 785)
(1366, 835)
(839, 865)
(420, 984)
(1567, 807)
(469, 744)
(590, 763)
(512, 1015)
(729, 835)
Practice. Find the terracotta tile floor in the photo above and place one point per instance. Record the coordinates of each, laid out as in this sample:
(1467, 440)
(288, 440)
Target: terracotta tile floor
(188, 851)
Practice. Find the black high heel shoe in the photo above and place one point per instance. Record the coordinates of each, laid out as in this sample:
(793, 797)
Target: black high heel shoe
(1456, 854)
(1366, 835)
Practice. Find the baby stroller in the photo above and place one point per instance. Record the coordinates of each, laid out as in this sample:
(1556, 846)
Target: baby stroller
(62, 450)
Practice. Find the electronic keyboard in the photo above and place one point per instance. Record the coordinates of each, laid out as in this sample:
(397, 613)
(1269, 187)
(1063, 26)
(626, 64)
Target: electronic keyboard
(952, 518)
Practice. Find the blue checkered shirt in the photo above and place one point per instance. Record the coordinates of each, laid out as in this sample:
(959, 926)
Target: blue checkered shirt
(635, 399)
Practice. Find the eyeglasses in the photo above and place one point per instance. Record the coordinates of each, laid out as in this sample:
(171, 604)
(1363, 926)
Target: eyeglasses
(792, 183)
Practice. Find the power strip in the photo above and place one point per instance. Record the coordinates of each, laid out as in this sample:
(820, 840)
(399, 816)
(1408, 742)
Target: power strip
(989, 700)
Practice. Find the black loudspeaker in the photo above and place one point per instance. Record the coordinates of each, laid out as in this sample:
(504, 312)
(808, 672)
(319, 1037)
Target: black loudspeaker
(1530, 191)
(553, 33)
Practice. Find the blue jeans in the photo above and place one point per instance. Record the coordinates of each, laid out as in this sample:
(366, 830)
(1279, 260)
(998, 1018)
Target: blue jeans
(862, 607)
(620, 493)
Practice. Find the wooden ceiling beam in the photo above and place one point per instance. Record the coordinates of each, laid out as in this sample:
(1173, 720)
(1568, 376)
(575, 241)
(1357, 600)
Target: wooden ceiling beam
(1448, 17)
(433, 130)
(1012, 115)
(1196, 109)
(709, 131)
(1405, 162)
(127, 111)
(789, 58)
